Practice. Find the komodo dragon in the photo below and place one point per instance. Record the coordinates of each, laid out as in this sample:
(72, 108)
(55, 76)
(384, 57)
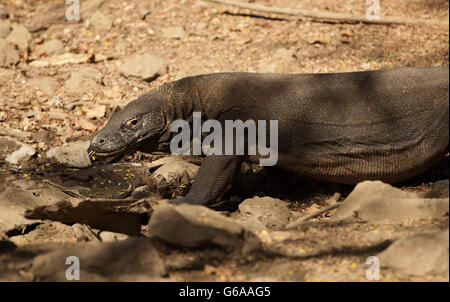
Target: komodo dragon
(387, 125)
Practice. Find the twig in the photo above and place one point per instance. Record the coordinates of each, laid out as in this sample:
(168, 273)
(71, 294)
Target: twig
(333, 200)
(66, 190)
(73, 193)
(111, 200)
(342, 17)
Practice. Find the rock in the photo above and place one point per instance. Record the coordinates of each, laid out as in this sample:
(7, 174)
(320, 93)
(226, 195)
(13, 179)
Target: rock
(175, 170)
(72, 154)
(147, 67)
(282, 61)
(46, 84)
(84, 80)
(86, 125)
(13, 151)
(377, 201)
(100, 22)
(5, 28)
(20, 37)
(50, 48)
(48, 232)
(418, 254)
(97, 112)
(197, 226)
(102, 262)
(51, 13)
(173, 177)
(259, 213)
(83, 232)
(9, 56)
(173, 32)
(15, 201)
(106, 236)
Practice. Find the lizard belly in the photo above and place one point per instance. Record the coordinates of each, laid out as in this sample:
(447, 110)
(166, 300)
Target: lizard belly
(383, 156)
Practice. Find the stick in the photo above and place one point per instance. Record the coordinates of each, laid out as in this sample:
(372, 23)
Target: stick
(343, 17)
(66, 190)
(305, 218)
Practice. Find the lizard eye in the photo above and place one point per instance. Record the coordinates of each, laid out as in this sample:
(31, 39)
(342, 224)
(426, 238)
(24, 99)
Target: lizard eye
(132, 122)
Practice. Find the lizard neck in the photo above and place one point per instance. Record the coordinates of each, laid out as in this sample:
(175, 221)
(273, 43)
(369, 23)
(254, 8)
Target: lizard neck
(182, 98)
(179, 99)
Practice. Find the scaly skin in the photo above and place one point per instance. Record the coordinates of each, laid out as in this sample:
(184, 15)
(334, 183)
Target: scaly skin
(387, 125)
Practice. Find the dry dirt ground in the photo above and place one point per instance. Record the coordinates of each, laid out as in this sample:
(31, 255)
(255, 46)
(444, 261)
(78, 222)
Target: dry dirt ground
(46, 104)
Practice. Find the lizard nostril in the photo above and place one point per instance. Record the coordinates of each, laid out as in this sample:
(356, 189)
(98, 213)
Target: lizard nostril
(101, 142)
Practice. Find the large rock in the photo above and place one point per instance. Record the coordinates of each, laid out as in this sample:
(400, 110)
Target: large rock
(102, 262)
(418, 254)
(9, 56)
(84, 80)
(377, 201)
(50, 48)
(259, 213)
(72, 154)
(21, 37)
(13, 151)
(21, 195)
(197, 226)
(146, 67)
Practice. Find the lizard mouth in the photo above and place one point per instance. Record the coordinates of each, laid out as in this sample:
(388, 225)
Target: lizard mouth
(130, 148)
(92, 153)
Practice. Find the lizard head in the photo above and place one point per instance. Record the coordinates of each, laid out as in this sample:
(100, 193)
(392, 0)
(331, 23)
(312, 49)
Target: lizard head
(138, 126)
